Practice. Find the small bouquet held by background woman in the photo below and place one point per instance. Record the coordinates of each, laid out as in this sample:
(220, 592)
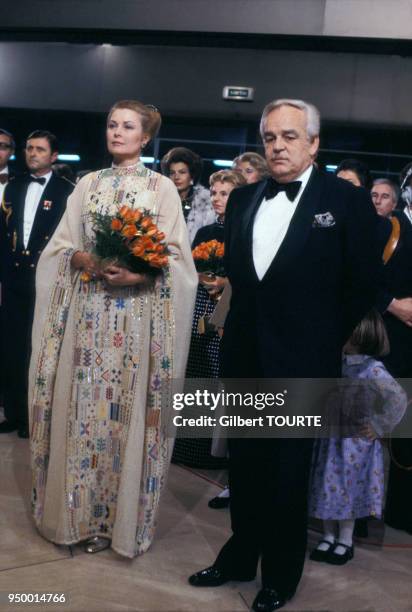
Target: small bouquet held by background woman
(208, 257)
(131, 240)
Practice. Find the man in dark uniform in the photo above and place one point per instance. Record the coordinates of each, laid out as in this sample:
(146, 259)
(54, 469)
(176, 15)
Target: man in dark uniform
(395, 302)
(31, 210)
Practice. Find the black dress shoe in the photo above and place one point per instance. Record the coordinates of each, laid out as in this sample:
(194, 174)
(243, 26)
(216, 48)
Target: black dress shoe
(213, 576)
(321, 555)
(219, 502)
(268, 600)
(6, 427)
(22, 432)
(335, 559)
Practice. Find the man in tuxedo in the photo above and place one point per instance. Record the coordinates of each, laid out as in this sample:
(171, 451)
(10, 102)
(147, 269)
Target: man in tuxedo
(303, 265)
(31, 209)
(395, 303)
(385, 195)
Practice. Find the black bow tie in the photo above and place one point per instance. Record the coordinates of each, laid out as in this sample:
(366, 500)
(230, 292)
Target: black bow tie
(34, 179)
(273, 188)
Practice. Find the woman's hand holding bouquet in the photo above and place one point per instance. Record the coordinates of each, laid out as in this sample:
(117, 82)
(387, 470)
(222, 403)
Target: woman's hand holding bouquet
(129, 249)
(208, 258)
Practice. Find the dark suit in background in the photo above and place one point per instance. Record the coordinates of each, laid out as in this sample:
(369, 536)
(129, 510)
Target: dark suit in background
(397, 283)
(290, 324)
(18, 269)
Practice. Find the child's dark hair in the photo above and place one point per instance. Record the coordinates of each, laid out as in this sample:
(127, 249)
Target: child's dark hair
(370, 336)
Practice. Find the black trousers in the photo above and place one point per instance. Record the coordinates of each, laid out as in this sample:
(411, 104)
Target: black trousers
(17, 321)
(268, 502)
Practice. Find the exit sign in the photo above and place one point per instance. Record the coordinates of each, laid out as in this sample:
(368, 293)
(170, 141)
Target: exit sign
(234, 92)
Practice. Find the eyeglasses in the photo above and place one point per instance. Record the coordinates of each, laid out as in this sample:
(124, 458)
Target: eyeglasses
(4, 146)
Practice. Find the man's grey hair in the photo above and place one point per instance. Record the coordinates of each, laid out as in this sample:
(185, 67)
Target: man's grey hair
(391, 184)
(311, 112)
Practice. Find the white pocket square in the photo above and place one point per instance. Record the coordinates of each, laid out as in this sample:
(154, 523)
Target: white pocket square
(323, 220)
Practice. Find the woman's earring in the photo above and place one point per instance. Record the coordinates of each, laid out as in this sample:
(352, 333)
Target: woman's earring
(191, 181)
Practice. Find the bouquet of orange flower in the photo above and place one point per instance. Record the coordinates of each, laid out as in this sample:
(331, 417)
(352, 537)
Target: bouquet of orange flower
(208, 258)
(131, 240)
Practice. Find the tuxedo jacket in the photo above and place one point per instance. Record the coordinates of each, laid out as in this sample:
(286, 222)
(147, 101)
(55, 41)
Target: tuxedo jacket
(322, 281)
(18, 263)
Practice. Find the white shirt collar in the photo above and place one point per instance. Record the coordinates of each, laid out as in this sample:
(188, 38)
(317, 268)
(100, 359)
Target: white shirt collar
(5, 170)
(304, 178)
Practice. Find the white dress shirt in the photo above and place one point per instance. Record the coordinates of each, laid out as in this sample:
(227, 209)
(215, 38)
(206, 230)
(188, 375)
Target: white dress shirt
(271, 224)
(33, 196)
(3, 187)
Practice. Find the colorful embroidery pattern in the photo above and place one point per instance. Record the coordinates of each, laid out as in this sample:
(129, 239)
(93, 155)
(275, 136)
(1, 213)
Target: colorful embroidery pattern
(117, 332)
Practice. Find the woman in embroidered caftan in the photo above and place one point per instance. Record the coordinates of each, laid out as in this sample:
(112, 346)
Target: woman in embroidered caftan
(102, 353)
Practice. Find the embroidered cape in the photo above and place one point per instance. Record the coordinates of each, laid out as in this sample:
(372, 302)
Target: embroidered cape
(103, 359)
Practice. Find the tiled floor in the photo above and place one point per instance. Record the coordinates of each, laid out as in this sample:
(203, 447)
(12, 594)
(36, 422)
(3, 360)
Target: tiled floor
(188, 538)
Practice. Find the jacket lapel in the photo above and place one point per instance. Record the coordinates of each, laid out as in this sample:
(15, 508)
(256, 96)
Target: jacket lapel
(41, 212)
(299, 228)
(247, 225)
(19, 221)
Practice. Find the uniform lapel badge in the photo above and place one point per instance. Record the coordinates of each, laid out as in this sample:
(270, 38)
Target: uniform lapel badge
(47, 204)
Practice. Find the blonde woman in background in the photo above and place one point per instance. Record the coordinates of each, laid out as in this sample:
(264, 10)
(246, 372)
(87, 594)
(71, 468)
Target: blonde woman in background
(252, 165)
(203, 360)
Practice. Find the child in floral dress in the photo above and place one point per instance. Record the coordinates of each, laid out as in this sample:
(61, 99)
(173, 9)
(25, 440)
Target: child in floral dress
(348, 473)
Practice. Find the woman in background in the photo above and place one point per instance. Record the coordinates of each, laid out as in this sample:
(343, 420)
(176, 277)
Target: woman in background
(252, 165)
(184, 168)
(203, 360)
(354, 171)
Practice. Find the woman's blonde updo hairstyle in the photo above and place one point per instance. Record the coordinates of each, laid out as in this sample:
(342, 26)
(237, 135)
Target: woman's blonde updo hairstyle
(228, 176)
(255, 160)
(149, 115)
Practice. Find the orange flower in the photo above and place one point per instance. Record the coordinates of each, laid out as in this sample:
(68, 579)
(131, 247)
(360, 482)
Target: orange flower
(137, 215)
(138, 250)
(123, 211)
(156, 260)
(129, 231)
(152, 231)
(147, 243)
(116, 225)
(146, 223)
(207, 250)
(133, 216)
(160, 236)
